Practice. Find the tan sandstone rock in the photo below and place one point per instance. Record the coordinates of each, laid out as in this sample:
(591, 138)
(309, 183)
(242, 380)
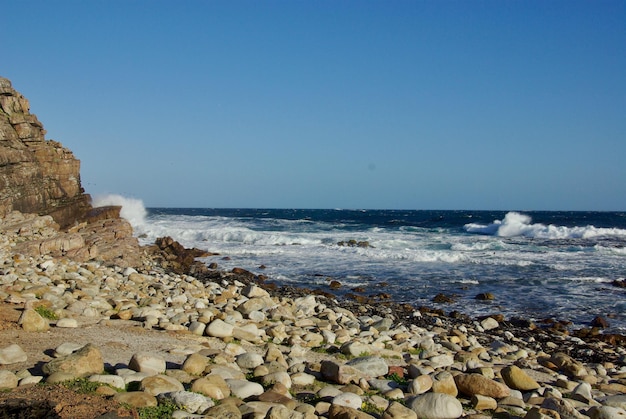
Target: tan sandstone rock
(84, 362)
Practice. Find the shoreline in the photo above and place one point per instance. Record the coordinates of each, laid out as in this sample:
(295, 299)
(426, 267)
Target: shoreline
(232, 340)
(576, 342)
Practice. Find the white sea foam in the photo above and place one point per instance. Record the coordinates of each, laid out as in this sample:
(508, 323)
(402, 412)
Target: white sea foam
(515, 224)
(133, 209)
(416, 262)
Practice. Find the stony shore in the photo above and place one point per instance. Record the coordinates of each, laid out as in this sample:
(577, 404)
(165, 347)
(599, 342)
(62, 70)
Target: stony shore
(254, 351)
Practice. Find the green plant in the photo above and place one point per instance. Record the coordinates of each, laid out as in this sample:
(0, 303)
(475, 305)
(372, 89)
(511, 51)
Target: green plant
(415, 351)
(81, 385)
(371, 408)
(46, 313)
(398, 379)
(164, 410)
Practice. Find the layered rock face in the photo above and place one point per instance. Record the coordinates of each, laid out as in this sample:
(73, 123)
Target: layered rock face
(36, 176)
(42, 203)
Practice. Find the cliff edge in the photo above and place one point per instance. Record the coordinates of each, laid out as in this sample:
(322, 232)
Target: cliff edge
(37, 176)
(42, 201)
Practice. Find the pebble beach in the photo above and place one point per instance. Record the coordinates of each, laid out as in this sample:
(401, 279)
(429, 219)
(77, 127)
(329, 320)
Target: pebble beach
(276, 352)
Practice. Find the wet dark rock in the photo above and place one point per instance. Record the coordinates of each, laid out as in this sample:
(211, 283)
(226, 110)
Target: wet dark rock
(243, 272)
(523, 323)
(485, 296)
(443, 299)
(354, 243)
(335, 285)
(600, 322)
(173, 255)
(621, 283)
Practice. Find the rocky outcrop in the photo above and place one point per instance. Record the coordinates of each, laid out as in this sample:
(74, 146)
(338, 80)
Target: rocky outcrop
(42, 202)
(174, 256)
(36, 175)
(109, 240)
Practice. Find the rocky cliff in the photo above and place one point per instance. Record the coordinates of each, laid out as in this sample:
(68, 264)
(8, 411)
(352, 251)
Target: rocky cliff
(42, 202)
(36, 175)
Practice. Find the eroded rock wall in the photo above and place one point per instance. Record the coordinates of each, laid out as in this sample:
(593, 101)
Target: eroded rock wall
(36, 175)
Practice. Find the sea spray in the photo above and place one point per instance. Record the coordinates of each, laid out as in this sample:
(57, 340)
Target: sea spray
(543, 264)
(132, 211)
(515, 224)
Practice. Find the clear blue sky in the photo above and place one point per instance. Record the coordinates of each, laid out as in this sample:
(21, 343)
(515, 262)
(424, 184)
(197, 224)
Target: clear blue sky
(332, 104)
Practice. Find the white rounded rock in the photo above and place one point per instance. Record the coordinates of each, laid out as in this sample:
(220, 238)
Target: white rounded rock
(348, 399)
(12, 354)
(244, 388)
(219, 329)
(436, 406)
(148, 363)
(67, 322)
(249, 360)
(114, 381)
(8, 380)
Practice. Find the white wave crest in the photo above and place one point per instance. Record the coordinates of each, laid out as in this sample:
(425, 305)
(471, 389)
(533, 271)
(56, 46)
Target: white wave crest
(515, 224)
(133, 209)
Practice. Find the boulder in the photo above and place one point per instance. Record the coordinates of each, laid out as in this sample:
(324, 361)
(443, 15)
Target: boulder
(31, 321)
(249, 360)
(517, 379)
(148, 363)
(219, 329)
(344, 412)
(212, 386)
(224, 411)
(158, 384)
(67, 322)
(435, 406)
(188, 401)
(472, 384)
(606, 412)
(443, 382)
(370, 366)
(136, 399)
(568, 365)
(420, 384)
(483, 402)
(398, 411)
(114, 381)
(8, 380)
(244, 388)
(84, 362)
(12, 354)
(338, 373)
(195, 364)
(348, 399)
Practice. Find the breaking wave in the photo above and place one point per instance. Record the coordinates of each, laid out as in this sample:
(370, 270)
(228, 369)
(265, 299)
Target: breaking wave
(515, 224)
(133, 210)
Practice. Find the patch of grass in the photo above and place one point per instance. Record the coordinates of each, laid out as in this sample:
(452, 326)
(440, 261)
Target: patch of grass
(164, 410)
(46, 313)
(415, 351)
(371, 409)
(396, 378)
(81, 385)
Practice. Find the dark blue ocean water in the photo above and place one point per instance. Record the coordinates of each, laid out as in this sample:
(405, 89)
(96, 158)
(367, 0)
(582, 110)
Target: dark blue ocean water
(537, 264)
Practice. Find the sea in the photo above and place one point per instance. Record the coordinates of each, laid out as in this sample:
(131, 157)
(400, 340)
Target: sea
(538, 265)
